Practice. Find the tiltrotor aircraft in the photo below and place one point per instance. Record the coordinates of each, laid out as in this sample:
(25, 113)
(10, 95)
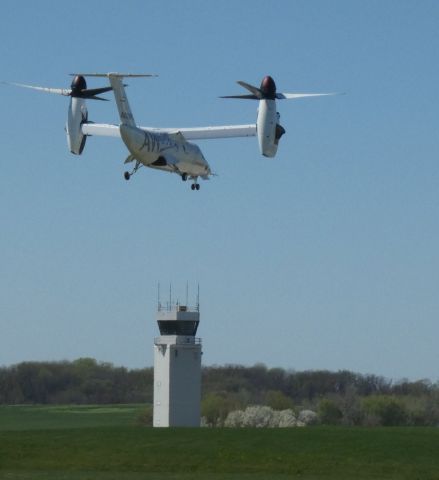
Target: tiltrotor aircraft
(168, 149)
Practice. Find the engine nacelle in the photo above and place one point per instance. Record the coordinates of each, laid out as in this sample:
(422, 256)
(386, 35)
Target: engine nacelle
(76, 117)
(268, 128)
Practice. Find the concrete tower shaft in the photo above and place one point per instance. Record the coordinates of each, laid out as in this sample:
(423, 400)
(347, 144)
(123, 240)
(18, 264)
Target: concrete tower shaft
(177, 368)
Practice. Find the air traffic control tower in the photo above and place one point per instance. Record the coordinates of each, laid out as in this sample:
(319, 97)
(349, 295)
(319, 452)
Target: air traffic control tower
(177, 367)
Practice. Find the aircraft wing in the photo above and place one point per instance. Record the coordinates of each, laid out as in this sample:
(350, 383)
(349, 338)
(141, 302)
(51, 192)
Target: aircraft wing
(197, 133)
(207, 133)
(100, 129)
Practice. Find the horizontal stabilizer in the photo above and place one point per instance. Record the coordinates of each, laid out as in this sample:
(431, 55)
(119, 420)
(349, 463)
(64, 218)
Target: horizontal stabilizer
(115, 74)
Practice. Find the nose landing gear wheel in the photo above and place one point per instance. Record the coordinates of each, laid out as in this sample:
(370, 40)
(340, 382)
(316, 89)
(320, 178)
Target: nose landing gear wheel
(184, 177)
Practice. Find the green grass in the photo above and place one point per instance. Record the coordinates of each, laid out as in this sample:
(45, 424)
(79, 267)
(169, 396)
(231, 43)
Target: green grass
(25, 417)
(125, 451)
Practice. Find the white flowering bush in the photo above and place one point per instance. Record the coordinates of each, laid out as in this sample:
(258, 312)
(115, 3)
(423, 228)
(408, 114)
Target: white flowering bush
(274, 419)
(307, 417)
(287, 419)
(258, 416)
(235, 419)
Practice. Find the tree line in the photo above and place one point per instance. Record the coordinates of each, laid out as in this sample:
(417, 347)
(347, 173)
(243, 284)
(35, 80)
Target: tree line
(337, 398)
(341, 397)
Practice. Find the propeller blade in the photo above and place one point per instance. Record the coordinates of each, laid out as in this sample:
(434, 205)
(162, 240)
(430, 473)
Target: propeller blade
(254, 90)
(245, 97)
(97, 98)
(293, 96)
(59, 91)
(91, 92)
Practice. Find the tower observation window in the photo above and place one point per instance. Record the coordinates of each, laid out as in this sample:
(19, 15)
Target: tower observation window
(178, 327)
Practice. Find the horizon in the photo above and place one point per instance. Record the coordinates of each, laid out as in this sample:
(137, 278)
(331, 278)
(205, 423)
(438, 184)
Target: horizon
(394, 381)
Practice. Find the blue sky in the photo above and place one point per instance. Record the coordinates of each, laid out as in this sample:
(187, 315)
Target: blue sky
(323, 258)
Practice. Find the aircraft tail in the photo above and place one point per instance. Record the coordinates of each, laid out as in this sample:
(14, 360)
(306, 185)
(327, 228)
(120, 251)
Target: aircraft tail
(123, 106)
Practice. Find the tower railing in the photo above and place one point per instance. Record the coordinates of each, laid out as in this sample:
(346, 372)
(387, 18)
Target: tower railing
(182, 340)
(177, 307)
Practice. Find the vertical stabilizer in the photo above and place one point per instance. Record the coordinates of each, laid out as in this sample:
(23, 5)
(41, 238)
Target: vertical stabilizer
(116, 82)
(125, 114)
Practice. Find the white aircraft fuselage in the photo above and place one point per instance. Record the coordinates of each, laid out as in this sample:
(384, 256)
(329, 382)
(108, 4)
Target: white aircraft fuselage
(164, 151)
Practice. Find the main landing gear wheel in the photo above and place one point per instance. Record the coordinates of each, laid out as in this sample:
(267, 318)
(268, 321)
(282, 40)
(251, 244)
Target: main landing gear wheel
(128, 175)
(195, 186)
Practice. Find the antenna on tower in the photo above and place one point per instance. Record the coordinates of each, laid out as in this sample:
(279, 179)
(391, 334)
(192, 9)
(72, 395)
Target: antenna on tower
(198, 298)
(170, 296)
(159, 306)
(187, 293)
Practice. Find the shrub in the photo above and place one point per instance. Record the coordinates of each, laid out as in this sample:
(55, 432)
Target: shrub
(329, 413)
(307, 417)
(278, 400)
(287, 419)
(389, 411)
(258, 416)
(215, 408)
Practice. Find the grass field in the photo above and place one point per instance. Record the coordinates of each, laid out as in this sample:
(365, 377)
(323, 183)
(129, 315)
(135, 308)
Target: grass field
(104, 443)
(72, 416)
